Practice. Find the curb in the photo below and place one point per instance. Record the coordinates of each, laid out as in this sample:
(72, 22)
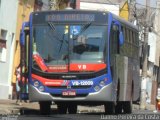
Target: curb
(10, 111)
(148, 107)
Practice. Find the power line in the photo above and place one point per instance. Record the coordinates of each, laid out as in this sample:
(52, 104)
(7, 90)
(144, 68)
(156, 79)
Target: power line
(112, 3)
(147, 6)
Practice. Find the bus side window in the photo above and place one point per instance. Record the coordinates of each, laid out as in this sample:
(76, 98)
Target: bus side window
(114, 40)
(114, 46)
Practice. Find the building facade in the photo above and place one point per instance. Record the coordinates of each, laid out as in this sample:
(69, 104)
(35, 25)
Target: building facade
(23, 10)
(25, 7)
(153, 72)
(8, 18)
(152, 68)
(102, 5)
(157, 29)
(154, 43)
(12, 14)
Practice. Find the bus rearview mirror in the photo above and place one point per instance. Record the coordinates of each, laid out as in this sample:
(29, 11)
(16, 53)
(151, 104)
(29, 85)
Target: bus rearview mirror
(121, 38)
(22, 37)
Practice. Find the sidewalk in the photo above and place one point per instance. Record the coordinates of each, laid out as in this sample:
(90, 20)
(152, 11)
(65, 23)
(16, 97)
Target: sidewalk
(10, 107)
(148, 107)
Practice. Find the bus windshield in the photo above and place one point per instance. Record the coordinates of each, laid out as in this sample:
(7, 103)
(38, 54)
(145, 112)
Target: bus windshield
(62, 45)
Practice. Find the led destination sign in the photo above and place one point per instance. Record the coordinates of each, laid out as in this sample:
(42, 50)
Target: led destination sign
(70, 17)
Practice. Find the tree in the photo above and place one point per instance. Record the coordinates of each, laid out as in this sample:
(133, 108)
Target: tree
(59, 4)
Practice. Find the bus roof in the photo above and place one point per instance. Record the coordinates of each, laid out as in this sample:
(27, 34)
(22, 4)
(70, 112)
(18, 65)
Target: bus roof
(124, 22)
(71, 10)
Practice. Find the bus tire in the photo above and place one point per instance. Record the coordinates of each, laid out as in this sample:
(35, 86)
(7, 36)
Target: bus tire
(127, 107)
(72, 109)
(109, 108)
(45, 107)
(118, 109)
(62, 108)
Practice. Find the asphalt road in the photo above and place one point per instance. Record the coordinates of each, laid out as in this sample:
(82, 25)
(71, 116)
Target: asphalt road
(61, 117)
(137, 114)
(30, 111)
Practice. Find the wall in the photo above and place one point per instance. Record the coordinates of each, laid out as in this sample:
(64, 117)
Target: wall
(157, 29)
(99, 6)
(8, 10)
(152, 42)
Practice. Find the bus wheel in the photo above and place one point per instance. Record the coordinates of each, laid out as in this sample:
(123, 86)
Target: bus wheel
(62, 108)
(127, 107)
(72, 109)
(45, 107)
(109, 108)
(118, 109)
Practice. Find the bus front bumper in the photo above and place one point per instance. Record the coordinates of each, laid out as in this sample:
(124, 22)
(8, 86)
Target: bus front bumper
(105, 94)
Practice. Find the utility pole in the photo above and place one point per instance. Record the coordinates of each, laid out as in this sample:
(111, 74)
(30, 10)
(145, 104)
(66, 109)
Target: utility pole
(159, 72)
(145, 57)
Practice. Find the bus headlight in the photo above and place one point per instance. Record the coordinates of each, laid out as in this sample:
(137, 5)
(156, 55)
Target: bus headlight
(41, 88)
(96, 88)
(36, 83)
(102, 83)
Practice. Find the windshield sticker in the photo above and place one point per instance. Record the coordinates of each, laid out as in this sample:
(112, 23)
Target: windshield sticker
(75, 30)
(66, 29)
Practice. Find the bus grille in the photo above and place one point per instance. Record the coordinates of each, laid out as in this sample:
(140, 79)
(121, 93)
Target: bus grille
(78, 95)
(72, 87)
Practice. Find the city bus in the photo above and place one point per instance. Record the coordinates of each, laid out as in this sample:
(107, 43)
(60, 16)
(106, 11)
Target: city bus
(80, 57)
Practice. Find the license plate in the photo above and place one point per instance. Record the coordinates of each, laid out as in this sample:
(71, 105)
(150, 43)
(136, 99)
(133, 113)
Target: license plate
(69, 93)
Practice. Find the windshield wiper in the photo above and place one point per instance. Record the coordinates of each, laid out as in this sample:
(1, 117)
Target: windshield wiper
(61, 44)
(53, 28)
(57, 35)
(85, 27)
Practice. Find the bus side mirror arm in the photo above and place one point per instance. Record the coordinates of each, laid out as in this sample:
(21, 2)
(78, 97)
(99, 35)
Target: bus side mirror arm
(22, 38)
(22, 33)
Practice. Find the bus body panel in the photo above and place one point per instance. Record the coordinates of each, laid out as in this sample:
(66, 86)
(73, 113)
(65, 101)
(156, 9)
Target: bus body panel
(126, 76)
(103, 95)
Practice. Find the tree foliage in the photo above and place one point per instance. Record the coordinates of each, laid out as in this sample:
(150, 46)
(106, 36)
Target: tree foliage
(59, 4)
(23, 1)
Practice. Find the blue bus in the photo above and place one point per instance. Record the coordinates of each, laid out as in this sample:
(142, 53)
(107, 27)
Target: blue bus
(79, 57)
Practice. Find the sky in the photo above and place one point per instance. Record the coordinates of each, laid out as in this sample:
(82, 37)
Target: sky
(152, 2)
